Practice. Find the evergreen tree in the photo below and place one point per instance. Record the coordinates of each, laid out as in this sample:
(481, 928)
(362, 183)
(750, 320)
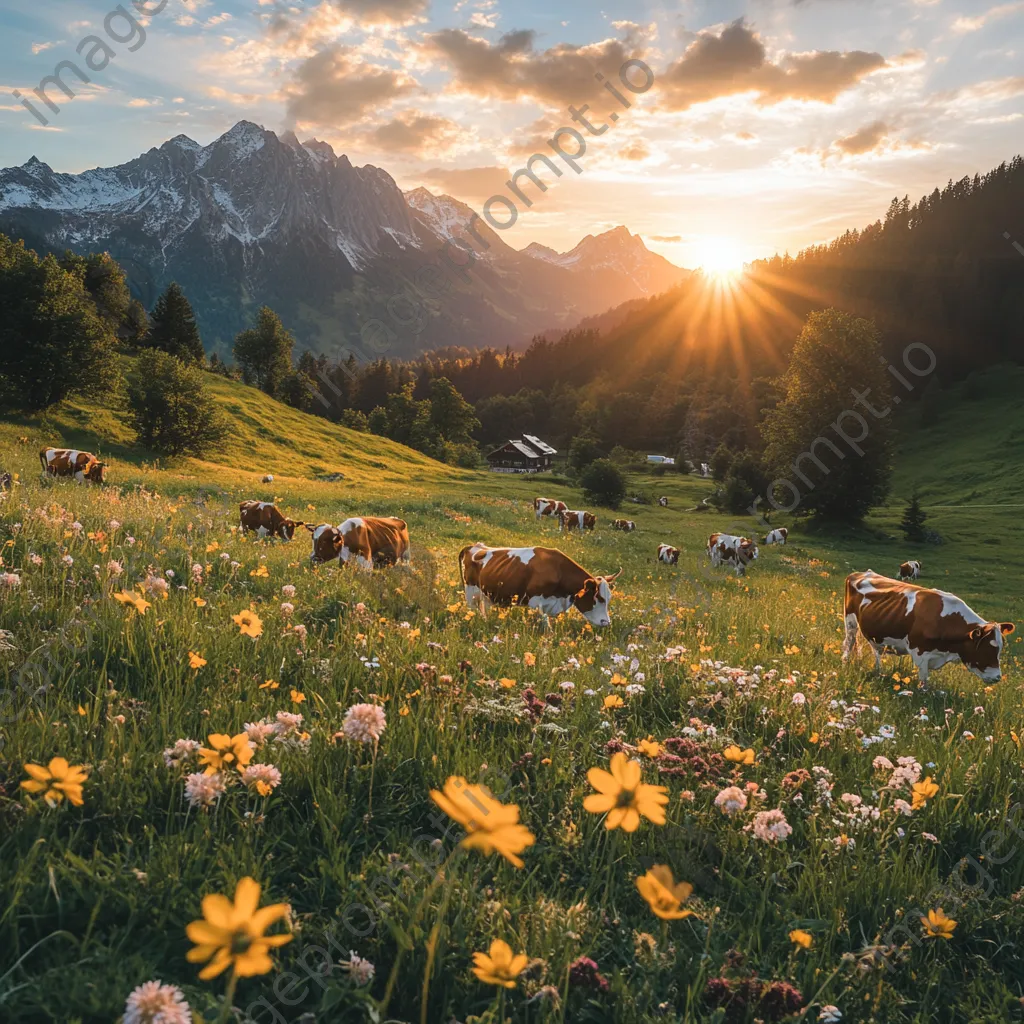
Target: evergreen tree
(264, 352)
(173, 327)
(451, 416)
(914, 517)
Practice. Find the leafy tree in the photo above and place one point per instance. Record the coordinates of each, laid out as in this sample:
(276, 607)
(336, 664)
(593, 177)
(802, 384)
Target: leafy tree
(914, 518)
(583, 450)
(836, 358)
(377, 421)
(603, 483)
(53, 342)
(264, 352)
(721, 460)
(355, 420)
(451, 416)
(171, 408)
(296, 391)
(743, 482)
(173, 326)
(682, 461)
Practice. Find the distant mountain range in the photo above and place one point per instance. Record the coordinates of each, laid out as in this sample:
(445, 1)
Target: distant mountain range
(255, 218)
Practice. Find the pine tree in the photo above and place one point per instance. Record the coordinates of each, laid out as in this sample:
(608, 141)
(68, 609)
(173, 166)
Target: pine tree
(173, 327)
(914, 517)
(264, 353)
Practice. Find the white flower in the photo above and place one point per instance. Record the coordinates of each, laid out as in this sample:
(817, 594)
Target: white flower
(361, 971)
(771, 826)
(224, 556)
(10, 580)
(114, 525)
(364, 723)
(799, 699)
(830, 1014)
(851, 798)
(68, 560)
(183, 750)
(35, 559)
(76, 526)
(203, 790)
(130, 541)
(731, 800)
(287, 608)
(903, 807)
(169, 574)
(114, 567)
(156, 1003)
(260, 732)
(288, 591)
(262, 777)
(929, 837)
(887, 731)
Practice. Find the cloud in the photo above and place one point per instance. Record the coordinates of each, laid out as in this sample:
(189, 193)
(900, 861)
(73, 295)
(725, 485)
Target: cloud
(864, 140)
(735, 61)
(665, 238)
(637, 150)
(963, 25)
(334, 87)
(875, 139)
(475, 182)
(40, 47)
(416, 133)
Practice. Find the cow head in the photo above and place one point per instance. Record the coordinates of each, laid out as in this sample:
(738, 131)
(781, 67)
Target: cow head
(593, 599)
(981, 650)
(748, 550)
(96, 472)
(289, 526)
(327, 542)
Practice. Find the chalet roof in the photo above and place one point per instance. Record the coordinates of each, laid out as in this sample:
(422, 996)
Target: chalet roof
(544, 449)
(522, 446)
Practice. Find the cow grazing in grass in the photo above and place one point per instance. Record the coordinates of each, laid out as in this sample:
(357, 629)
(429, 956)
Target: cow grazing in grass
(663, 502)
(541, 578)
(569, 520)
(910, 571)
(6, 481)
(81, 466)
(933, 627)
(366, 540)
(726, 548)
(548, 507)
(268, 479)
(668, 554)
(626, 525)
(266, 520)
(778, 536)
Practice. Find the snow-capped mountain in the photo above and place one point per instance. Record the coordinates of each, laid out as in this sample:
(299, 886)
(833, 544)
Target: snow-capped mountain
(255, 218)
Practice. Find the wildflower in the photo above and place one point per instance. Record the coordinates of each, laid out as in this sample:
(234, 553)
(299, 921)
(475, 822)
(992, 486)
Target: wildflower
(649, 746)
(771, 826)
(260, 732)
(613, 700)
(359, 969)
(264, 778)
(364, 723)
(903, 807)
(183, 750)
(225, 752)
(297, 696)
(937, 925)
(137, 601)
(10, 580)
(844, 842)
(664, 895)
(269, 685)
(529, 659)
(288, 591)
(115, 568)
(56, 781)
(195, 660)
(156, 1003)
(287, 608)
(583, 973)
(830, 1014)
(491, 825)
(731, 800)
(799, 699)
(248, 623)
(733, 753)
(155, 586)
(199, 602)
(261, 573)
(300, 632)
(923, 792)
(624, 796)
(68, 560)
(498, 966)
(232, 934)
(801, 938)
(203, 789)
(882, 764)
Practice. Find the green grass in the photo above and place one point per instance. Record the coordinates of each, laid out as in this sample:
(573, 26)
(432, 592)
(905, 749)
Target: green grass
(94, 900)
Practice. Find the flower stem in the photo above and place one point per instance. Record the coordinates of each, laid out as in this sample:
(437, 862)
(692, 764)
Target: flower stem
(229, 996)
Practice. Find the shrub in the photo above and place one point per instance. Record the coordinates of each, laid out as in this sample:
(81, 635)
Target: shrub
(583, 450)
(603, 483)
(913, 521)
(171, 408)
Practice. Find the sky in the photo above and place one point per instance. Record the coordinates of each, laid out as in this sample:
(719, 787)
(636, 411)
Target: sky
(751, 128)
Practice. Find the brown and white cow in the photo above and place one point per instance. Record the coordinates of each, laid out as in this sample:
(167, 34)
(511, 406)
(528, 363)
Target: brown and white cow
(663, 502)
(732, 550)
(626, 525)
(70, 462)
(368, 540)
(266, 520)
(933, 627)
(541, 578)
(569, 520)
(548, 507)
(777, 536)
(668, 554)
(910, 571)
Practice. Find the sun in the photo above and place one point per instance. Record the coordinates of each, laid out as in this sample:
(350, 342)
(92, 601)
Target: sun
(720, 257)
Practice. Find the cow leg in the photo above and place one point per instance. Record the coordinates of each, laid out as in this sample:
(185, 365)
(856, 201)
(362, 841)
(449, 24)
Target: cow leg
(876, 650)
(850, 640)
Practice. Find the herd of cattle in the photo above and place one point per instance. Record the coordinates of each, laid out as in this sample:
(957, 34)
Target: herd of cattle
(931, 626)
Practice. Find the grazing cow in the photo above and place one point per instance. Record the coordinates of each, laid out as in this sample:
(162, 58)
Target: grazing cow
(266, 520)
(777, 536)
(626, 525)
(548, 507)
(735, 551)
(933, 627)
(541, 578)
(69, 462)
(368, 540)
(570, 520)
(663, 502)
(6, 481)
(910, 571)
(268, 479)
(668, 554)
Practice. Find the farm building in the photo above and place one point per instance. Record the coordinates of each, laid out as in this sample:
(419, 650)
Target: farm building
(526, 455)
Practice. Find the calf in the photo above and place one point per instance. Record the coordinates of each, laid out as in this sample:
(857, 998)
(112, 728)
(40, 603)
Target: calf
(266, 520)
(369, 540)
(548, 507)
(268, 479)
(910, 571)
(738, 552)
(663, 502)
(69, 462)
(668, 554)
(778, 536)
(569, 520)
(933, 627)
(541, 578)
(626, 525)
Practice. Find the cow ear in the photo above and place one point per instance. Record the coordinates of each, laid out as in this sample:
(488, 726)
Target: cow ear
(1006, 628)
(296, 523)
(976, 633)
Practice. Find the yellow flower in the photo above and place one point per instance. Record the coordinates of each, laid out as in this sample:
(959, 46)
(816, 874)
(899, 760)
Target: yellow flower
(297, 698)
(269, 685)
(491, 825)
(529, 660)
(248, 623)
(801, 938)
(225, 752)
(212, 546)
(56, 781)
(733, 753)
(664, 895)
(137, 601)
(195, 660)
(650, 746)
(82, 711)
(613, 700)
(622, 793)
(199, 602)
(499, 966)
(231, 934)
(813, 738)
(617, 680)
(507, 683)
(262, 572)
(454, 607)
(923, 792)
(937, 925)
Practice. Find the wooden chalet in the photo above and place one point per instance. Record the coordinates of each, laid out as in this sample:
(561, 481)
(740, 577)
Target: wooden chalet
(528, 454)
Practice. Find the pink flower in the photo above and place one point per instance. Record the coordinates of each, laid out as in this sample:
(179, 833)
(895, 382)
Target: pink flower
(364, 723)
(731, 801)
(288, 591)
(287, 608)
(771, 826)
(156, 1003)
